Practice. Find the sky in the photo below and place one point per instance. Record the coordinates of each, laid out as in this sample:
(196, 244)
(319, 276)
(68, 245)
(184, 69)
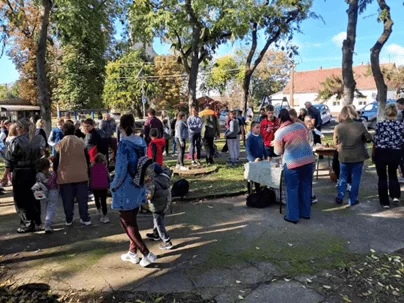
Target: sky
(319, 42)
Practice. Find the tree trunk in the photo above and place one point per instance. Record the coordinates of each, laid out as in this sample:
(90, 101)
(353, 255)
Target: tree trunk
(375, 55)
(193, 74)
(43, 92)
(246, 90)
(348, 48)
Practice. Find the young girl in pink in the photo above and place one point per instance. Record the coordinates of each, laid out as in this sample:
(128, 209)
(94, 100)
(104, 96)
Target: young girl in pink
(99, 182)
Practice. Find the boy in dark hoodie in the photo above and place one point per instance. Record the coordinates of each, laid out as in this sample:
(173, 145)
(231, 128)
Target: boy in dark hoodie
(158, 193)
(156, 146)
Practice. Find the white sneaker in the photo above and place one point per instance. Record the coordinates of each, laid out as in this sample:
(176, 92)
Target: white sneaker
(183, 168)
(177, 166)
(386, 206)
(86, 223)
(164, 154)
(401, 179)
(90, 197)
(396, 200)
(147, 260)
(9, 183)
(130, 257)
(104, 219)
(69, 223)
(193, 162)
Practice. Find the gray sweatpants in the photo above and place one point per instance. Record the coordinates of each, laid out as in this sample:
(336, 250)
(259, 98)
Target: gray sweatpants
(232, 146)
(48, 206)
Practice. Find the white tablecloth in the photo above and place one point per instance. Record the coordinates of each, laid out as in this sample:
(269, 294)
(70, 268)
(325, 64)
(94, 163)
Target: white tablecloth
(264, 173)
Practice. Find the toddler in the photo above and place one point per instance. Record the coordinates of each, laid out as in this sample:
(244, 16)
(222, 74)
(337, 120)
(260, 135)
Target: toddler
(48, 205)
(159, 198)
(99, 182)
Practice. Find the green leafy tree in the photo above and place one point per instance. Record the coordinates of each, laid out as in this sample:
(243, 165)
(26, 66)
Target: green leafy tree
(9, 92)
(84, 29)
(124, 82)
(169, 75)
(223, 73)
(194, 28)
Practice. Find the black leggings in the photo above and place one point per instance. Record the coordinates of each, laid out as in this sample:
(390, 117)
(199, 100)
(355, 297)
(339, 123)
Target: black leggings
(100, 197)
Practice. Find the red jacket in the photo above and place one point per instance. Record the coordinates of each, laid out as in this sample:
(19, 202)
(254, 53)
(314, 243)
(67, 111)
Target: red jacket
(268, 129)
(155, 150)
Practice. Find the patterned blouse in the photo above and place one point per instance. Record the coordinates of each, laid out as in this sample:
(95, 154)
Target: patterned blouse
(389, 134)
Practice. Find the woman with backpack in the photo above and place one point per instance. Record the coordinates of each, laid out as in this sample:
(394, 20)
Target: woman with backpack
(127, 197)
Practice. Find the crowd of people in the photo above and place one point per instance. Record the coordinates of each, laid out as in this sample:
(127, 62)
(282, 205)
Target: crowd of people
(78, 167)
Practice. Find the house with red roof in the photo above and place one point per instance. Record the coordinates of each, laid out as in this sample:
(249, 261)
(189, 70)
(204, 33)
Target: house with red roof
(306, 84)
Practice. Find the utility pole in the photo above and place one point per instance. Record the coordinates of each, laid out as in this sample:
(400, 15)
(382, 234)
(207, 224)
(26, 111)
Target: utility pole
(292, 80)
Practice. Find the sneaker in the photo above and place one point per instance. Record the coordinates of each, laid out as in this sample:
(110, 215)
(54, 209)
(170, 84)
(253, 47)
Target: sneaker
(99, 211)
(183, 168)
(314, 200)
(104, 219)
(164, 154)
(48, 230)
(401, 179)
(386, 206)
(90, 197)
(147, 260)
(40, 227)
(193, 162)
(396, 200)
(86, 223)
(348, 187)
(166, 245)
(353, 204)
(24, 229)
(9, 183)
(69, 223)
(130, 257)
(177, 166)
(338, 201)
(153, 237)
(198, 162)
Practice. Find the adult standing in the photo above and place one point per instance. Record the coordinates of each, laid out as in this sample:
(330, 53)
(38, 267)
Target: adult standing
(108, 125)
(316, 115)
(40, 123)
(126, 196)
(78, 132)
(400, 117)
(291, 142)
(350, 137)
(389, 142)
(194, 124)
(165, 119)
(92, 140)
(56, 135)
(181, 134)
(172, 126)
(152, 122)
(72, 166)
(268, 128)
(210, 130)
(21, 158)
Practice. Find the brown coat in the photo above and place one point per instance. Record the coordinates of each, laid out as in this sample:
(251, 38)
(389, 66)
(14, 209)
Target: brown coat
(350, 137)
(73, 165)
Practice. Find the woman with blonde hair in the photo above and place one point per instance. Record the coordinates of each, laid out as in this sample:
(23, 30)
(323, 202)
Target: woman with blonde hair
(389, 142)
(21, 158)
(39, 130)
(350, 137)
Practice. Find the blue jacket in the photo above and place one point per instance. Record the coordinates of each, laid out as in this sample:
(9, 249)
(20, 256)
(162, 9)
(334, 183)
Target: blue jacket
(54, 137)
(255, 148)
(125, 194)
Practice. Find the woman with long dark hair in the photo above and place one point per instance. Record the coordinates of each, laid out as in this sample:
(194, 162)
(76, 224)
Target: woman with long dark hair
(21, 157)
(291, 142)
(126, 196)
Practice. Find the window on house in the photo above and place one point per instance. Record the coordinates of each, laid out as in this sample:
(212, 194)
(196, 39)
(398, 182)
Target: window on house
(336, 103)
(362, 102)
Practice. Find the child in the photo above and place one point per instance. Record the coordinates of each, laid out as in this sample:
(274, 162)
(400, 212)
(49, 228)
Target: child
(48, 205)
(232, 137)
(99, 182)
(159, 198)
(255, 148)
(268, 128)
(156, 146)
(181, 130)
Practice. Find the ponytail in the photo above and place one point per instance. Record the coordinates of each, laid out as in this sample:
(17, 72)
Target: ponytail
(127, 123)
(29, 127)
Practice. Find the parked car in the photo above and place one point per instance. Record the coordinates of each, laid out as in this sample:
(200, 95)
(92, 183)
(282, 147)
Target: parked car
(325, 112)
(369, 113)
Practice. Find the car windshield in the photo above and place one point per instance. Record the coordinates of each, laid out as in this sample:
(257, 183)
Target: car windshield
(369, 107)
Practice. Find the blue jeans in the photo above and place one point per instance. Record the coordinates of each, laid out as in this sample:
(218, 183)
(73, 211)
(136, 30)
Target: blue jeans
(298, 191)
(78, 191)
(174, 145)
(347, 169)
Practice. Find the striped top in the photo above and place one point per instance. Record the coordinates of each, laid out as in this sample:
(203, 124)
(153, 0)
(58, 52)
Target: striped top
(291, 141)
